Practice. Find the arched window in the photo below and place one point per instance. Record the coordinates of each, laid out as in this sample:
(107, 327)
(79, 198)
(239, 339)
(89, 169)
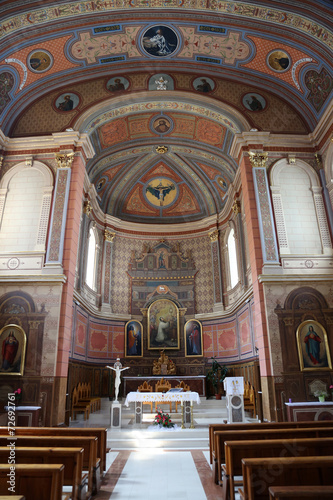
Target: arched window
(232, 257)
(91, 259)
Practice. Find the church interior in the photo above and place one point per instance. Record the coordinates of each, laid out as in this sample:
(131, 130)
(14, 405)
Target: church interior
(166, 188)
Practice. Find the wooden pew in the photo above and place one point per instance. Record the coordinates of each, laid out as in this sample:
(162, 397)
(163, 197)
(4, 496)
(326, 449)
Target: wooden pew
(261, 434)
(99, 432)
(261, 473)
(261, 425)
(42, 482)
(255, 425)
(300, 492)
(71, 458)
(88, 443)
(12, 497)
(235, 451)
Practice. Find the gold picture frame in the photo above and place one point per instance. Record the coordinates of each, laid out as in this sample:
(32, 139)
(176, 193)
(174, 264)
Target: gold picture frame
(163, 325)
(13, 342)
(312, 345)
(133, 339)
(193, 338)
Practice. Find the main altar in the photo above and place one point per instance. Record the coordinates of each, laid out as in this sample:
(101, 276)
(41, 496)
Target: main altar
(186, 399)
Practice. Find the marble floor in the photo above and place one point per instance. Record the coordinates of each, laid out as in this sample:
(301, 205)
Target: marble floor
(144, 463)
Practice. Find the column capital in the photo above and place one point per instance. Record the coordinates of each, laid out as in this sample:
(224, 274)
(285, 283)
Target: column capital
(214, 235)
(258, 159)
(64, 160)
(87, 207)
(108, 235)
(236, 207)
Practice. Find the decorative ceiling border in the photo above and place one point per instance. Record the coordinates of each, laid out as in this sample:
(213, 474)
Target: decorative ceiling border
(231, 8)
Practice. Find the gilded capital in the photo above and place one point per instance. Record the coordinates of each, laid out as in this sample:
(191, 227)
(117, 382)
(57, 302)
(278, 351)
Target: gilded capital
(108, 236)
(214, 235)
(65, 160)
(1, 161)
(34, 325)
(87, 208)
(236, 207)
(258, 159)
(319, 161)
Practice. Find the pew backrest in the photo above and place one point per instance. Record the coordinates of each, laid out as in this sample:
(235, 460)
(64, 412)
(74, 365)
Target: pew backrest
(263, 434)
(42, 482)
(261, 473)
(71, 458)
(99, 432)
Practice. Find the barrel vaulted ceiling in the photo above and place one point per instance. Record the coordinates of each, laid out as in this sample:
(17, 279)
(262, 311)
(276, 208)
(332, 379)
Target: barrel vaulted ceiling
(162, 88)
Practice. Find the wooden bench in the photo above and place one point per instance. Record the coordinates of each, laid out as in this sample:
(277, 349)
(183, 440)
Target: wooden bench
(84, 395)
(12, 497)
(261, 473)
(99, 432)
(42, 482)
(71, 458)
(261, 434)
(254, 425)
(79, 407)
(88, 443)
(235, 451)
(249, 399)
(300, 492)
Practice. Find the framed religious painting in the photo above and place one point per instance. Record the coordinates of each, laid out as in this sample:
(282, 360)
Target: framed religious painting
(313, 348)
(163, 325)
(133, 339)
(12, 350)
(193, 338)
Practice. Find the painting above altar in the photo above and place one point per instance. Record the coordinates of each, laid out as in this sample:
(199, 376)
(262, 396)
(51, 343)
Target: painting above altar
(163, 325)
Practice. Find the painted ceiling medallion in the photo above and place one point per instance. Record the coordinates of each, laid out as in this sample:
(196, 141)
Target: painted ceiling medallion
(159, 41)
(161, 192)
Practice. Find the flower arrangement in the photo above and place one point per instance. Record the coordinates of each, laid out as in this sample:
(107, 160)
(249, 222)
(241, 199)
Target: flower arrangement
(18, 394)
(320, 394)
(163, 419)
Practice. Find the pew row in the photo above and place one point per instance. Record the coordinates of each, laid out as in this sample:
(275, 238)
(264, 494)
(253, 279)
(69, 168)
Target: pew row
(235, 451)
(99, 432)
(300, 492)
(71, 458)
(42, 482)
(264, 425)
(261, 473)
(88, 443)
(260, 434)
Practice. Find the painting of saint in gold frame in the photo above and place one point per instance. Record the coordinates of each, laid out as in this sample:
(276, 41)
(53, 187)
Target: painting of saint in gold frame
(163, 325)
(12, 350)
(133, 339)
(193, 338)
(313, 348)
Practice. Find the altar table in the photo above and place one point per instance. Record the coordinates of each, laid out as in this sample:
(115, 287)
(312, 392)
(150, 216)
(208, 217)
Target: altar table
(186, 399)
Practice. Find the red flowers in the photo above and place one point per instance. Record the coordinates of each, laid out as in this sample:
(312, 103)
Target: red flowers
(163, 419)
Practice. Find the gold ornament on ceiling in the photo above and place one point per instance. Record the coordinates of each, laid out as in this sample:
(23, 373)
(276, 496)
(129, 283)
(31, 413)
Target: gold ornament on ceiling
(161, 150)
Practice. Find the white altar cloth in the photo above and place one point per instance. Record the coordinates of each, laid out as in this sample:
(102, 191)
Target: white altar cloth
(149, 397)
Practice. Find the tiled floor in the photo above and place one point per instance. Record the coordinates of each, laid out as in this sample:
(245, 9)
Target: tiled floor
(150, 465)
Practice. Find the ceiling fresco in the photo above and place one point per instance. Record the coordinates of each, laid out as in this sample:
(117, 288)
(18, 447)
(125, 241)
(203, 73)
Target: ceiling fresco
(161, 91)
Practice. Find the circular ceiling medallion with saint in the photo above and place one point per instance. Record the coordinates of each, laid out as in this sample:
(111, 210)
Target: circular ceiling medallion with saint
(160, 41)
(160, 192)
